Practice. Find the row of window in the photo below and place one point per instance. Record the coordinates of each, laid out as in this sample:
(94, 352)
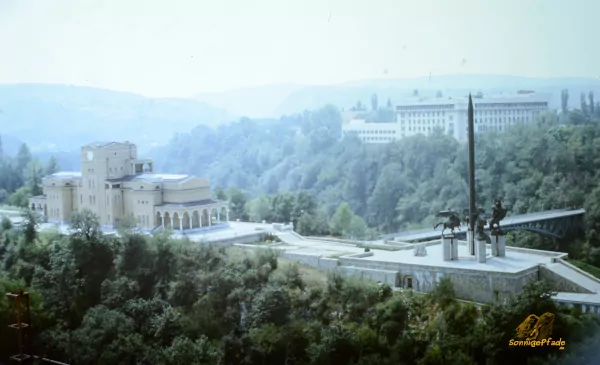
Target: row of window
(502, 120)
(530, 108)
(506, 112)
(425, 121)
(377, 132)
(426, 107)
(423, 114)
(513, 105)
(486, 128)
(422, 129)
(381, 139)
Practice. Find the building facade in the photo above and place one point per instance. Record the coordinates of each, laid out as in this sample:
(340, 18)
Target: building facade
(114, 183)
(449, 116)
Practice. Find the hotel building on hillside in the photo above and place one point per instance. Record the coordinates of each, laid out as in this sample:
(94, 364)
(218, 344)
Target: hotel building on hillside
(114, 183)
(496, 113)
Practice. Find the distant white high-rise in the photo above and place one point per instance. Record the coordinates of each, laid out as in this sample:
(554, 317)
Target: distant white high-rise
(449, 115)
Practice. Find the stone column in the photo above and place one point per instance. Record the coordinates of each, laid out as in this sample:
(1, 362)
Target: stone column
(190, 217)
(172, 223)
(162, 220)
(227, 215)
(447, 247)
(501, 239)
(454, 245)
(480, 250)
(469, 240)
(181, 223)
(218, 216)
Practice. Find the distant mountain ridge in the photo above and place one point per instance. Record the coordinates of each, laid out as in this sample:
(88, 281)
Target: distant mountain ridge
(62, 117)
(252, 102)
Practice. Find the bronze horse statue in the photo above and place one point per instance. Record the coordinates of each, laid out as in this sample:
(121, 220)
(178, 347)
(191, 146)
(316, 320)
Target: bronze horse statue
(451, 223)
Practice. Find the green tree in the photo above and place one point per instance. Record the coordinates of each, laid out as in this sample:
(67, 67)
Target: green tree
(32, 175)
(20, 198)
(357, 228)
(564, 101)
(51, 166)
(237, 201)
(341, 220)
(85, 224)
(584, 106)
(374, 102)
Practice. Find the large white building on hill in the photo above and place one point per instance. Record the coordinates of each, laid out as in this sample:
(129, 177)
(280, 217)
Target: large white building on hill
(449, 115)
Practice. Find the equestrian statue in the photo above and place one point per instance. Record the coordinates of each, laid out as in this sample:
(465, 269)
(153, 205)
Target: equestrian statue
(452, 221)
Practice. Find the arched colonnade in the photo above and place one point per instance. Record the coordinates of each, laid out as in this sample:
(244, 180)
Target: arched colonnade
(193, 218)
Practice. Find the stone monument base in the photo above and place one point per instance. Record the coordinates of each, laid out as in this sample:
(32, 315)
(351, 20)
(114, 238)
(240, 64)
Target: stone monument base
(498, 244)
(450, 247)
(480, 250)
(469, 240)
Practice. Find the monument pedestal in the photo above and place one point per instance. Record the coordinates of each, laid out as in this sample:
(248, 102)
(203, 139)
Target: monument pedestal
(498, 244)
(480, 250)
(469, 240)
(450, 247)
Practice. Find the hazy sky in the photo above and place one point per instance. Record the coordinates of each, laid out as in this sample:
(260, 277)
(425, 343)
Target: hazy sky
(183, 47)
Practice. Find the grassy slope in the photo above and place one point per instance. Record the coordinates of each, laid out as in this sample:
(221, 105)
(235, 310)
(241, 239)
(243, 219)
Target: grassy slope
(586, 267)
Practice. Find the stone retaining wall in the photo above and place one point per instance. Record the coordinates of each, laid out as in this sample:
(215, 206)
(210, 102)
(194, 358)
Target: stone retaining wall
(560, 283)
(242, 238)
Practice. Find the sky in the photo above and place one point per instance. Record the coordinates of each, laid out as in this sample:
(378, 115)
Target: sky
(178, 48)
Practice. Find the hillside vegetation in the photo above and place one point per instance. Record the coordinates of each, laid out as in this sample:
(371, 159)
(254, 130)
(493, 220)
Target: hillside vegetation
(135, 300)
(541, 166)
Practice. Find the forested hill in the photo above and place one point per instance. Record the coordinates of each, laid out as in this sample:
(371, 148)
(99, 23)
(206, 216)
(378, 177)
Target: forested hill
(533, 167)
(54, 118)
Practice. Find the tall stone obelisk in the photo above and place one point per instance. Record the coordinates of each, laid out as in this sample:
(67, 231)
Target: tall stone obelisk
(472, 203)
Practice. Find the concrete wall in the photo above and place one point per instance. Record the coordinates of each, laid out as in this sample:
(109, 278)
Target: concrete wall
(474, 285)
(560, 283)
(380, 276)
(194, 189)
(316, 261)
(241, 239)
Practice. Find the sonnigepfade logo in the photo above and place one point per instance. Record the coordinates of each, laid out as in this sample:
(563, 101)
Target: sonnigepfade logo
(535, 331)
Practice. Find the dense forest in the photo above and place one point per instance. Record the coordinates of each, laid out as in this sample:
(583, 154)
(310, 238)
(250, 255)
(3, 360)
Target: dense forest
(138, 300)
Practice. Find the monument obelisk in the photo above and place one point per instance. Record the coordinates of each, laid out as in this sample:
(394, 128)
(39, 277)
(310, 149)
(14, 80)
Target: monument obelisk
(472, 203)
